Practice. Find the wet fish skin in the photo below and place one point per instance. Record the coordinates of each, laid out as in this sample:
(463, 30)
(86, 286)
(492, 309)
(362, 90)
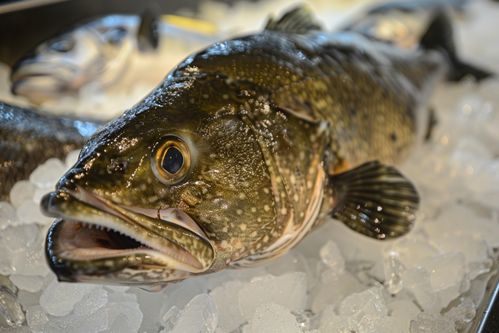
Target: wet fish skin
(28, 138)
(279, 128)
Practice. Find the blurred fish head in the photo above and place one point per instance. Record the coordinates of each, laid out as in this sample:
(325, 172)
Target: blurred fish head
(96, 52)
(177, 186)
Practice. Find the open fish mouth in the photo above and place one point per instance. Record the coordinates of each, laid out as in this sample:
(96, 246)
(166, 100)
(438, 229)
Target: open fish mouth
(95, 239)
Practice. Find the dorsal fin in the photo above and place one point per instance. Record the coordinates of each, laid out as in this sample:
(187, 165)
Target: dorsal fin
(298, 20)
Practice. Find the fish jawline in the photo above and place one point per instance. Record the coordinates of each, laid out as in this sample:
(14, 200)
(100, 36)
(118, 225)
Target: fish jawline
(84, 240)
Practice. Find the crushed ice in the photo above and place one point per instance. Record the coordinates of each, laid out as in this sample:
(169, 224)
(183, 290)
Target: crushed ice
(335, 280)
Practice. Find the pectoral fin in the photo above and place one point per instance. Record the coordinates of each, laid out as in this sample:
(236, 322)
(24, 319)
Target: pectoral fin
(375, 200)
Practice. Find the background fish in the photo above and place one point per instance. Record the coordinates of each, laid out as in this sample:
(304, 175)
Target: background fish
(97, 52)
(28, 138)
(401, 23)
(405, 23)
(242, 150)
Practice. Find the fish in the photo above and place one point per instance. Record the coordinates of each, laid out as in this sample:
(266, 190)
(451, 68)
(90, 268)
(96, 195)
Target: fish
(400, 23)
(404, 24)
(29, 137)
(244, 149)
(96, 52)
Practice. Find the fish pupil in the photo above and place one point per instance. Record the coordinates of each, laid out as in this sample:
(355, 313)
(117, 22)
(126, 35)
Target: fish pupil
(173, 160)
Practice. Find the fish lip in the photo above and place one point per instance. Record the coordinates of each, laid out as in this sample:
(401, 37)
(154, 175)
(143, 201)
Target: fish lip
(57, 78)
(34, 67)
(152, 253)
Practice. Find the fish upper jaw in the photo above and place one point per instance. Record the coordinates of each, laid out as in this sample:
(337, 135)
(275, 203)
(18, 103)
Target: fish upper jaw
(94, 238)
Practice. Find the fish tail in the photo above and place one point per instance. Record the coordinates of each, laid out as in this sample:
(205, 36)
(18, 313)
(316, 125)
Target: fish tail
(440, 37)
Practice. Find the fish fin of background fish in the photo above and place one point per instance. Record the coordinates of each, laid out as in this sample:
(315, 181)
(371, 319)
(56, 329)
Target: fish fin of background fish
(148, 31)
(375, 200)
(440, 36)
(298, 20)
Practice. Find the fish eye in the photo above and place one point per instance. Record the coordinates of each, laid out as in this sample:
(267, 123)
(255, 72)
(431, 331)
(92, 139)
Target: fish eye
(62, 45)
(116, 35)
(171, 160)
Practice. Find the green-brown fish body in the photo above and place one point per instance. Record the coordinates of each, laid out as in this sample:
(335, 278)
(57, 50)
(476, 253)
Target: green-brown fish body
(241, 150)
(28, 138)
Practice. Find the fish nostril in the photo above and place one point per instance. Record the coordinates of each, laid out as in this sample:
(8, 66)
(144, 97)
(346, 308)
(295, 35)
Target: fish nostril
(66, 183)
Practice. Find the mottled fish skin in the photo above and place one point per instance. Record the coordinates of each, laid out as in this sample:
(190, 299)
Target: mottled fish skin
(28, 138)
(266, 119)
(322, 103)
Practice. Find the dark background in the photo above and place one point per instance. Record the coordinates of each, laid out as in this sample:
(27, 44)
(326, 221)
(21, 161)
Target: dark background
(22, 29)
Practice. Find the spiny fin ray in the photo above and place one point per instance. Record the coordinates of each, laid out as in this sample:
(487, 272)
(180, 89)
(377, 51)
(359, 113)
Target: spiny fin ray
(375, 200)
(298, 20)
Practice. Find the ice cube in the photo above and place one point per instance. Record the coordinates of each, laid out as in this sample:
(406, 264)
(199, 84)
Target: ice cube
(30, 212)
(412, 250)
(21, 191)
(447, 275)
(17, 238)
(47, 174)
(333, 288)
(292, 261)
(11, 313)
(29, 283)
(86, 315)
(417, 281)
(332, 322)
(177, 294)
(92, 301)
(288, 290)
(6, 260)
(7, 215)
(170, 318)
(124, 316)
(403, 311)
(32, 261)
(152, 305)
(331, 256)
(462, 314)
(36, 318)
(95, 322)
(393, 272)
(199, 315)
(432, 323)
(367, 302)
(59, 299)
(376, 324)
(230, 317)
(273, 318)
(474, 249)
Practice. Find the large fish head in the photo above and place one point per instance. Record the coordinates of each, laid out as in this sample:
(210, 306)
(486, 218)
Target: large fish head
(176, 186)
(95, 52)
